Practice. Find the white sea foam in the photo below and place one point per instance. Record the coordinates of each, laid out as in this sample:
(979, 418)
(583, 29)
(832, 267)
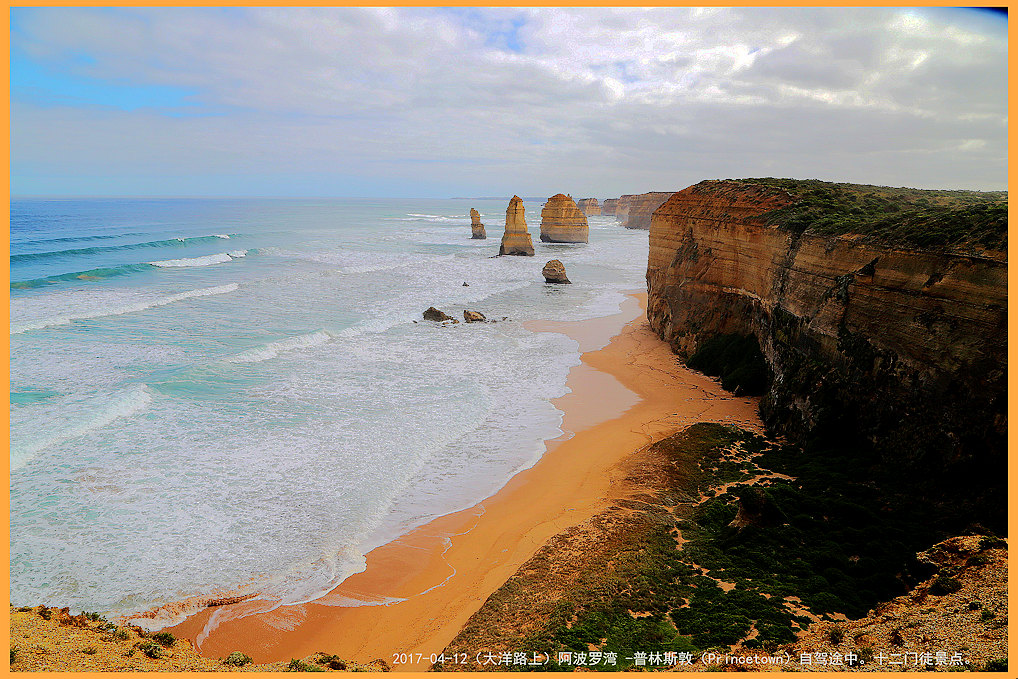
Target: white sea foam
(100, 412)
(221, 235)
(207, 260)
(273, 349)
(114, 309)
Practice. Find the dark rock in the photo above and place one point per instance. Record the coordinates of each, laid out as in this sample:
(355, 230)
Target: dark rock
(555, 272)
(473, 317)
(433, 314)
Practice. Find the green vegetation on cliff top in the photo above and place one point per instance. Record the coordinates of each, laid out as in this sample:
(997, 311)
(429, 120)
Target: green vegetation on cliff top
(894, 216)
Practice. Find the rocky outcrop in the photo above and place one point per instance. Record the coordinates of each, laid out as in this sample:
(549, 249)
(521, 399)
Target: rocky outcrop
(473, 316)
(433, 314)
(897, 350)
(562, 221)
(476, 228)
(608, 206)
(516, 239)
(555, 272)
(589, 206)
(641, 207)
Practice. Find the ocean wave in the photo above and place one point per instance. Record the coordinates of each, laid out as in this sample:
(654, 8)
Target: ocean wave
(78, 239)
(273, 349)
(120, 404)
(207, 260)
(95, 250)
(25, 326)
(89, 275)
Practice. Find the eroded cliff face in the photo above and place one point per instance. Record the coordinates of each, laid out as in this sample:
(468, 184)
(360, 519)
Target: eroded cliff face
(608, 206)
(589, 206)
(562, 221)
(901, 350)
(641, 207)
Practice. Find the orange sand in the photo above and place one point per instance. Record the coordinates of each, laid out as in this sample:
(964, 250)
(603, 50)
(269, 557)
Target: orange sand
(628, 394)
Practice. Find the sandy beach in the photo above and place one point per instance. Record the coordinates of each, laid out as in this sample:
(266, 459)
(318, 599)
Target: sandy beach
(418, 591)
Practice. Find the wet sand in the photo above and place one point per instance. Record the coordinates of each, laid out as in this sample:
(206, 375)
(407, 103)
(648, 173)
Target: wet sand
(418, 591)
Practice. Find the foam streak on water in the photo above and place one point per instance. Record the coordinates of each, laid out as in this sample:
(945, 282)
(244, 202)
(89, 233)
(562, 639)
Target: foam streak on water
(182, 428)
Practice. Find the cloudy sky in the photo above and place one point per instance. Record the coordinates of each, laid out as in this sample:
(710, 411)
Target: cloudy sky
(420, 102)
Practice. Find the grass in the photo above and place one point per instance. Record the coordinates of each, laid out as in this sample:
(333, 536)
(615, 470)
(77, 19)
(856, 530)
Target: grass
(895, 216)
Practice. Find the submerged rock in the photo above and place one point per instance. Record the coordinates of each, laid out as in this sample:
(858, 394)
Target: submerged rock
(562, 221)
(555, 272)
(516, 239)
(473, 317)
(476, 228)
(433, 314)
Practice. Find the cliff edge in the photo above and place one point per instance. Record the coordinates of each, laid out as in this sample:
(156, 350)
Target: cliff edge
(881, 315)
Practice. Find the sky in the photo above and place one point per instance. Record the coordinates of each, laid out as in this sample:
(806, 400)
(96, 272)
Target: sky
(449, 102)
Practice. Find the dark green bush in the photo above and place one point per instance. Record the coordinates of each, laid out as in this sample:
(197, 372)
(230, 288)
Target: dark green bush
(944, 584)
(164, 639)
(237, 659)
(996, 665)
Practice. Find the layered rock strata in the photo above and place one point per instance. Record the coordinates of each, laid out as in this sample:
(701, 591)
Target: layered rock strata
(476, 228)
(516, 239)
(608, 206)
(562, 221)
(899, 349)
(555, 272)
(641, 207)
(622, 208)
(589, 206)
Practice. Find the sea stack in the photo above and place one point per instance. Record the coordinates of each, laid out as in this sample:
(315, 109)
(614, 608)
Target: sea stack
(642, 207)
(516, 239)
(608, 206)
(476, 228)
(589, 206)
(562, 221)
(555, 272)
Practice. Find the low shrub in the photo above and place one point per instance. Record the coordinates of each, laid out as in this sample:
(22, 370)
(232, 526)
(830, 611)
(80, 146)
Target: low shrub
(164, 639)
(150, 649)
(237, 659)
(944, 585)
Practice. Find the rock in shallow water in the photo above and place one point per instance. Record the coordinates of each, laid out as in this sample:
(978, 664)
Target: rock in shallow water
(433, 314)
(555, 272)
(473, 317)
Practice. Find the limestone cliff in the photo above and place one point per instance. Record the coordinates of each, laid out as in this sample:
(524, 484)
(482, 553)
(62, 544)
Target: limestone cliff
(641, 207)
(622, 208)
(516, 239)
(476, 228)
(589, 206)
(891, 347)
(562, 221)
(608, 206)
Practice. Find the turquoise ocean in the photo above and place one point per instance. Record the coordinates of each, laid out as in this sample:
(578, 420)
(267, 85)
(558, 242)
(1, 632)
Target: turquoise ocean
(232, 396)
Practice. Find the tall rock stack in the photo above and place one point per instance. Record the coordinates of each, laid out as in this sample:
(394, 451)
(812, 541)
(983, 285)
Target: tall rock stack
(562, 221)
(476, 228)
(608, 206)
(589, 206)
(516, 239)
(641, 208)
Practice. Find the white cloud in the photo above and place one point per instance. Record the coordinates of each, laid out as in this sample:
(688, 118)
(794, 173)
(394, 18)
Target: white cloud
(596, 101)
